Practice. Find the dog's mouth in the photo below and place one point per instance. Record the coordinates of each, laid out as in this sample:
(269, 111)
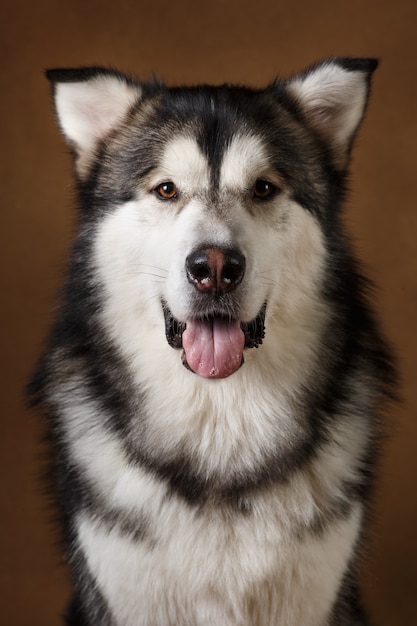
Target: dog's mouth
(213, 346)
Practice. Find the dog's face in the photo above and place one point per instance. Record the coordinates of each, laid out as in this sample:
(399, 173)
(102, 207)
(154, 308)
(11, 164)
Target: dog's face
(209, 204)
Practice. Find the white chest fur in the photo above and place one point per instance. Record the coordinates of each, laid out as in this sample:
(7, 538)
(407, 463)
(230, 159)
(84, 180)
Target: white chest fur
(214, 565)
(205, 569)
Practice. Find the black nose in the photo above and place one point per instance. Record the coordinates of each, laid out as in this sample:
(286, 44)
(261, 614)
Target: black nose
(215, 271)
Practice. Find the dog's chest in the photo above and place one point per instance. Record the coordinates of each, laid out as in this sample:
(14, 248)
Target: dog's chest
(159, 560)
(209, 566)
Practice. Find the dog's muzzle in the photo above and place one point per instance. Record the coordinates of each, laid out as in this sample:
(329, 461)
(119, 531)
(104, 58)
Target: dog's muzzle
(213, 343)
(210, 333)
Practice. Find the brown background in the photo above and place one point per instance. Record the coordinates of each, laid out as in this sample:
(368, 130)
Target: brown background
(184, 41)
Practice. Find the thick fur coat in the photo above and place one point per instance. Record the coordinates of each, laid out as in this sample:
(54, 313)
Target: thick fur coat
(214, 377)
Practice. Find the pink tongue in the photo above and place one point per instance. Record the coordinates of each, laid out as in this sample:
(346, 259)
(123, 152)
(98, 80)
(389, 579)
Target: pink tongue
(213, 348)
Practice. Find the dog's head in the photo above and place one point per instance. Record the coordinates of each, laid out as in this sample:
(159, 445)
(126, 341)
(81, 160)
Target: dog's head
(213, 208)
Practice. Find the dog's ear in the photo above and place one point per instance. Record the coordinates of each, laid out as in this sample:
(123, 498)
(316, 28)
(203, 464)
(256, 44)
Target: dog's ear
(90, 103)
(332, 97)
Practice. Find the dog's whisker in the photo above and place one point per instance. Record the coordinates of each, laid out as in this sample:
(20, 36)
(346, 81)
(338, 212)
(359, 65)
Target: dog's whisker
(267, 271)
(267, 280)
(152, 298)
(163, 278)
(155, 267)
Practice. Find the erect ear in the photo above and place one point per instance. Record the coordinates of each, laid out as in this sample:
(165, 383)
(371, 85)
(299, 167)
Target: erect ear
(332, 97)
(90, 103)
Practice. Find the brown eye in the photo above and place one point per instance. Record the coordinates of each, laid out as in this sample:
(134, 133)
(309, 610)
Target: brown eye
(263, 190)
(167, 191)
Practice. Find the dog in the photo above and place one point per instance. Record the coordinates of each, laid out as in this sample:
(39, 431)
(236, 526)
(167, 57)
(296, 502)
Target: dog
(215, 380)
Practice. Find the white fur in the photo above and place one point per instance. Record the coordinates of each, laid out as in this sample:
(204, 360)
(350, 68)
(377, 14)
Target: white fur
(88, 111)
(140, 255)
(218, 573)
(157, 238)
(184, 163)
(244, 162)
(220, 568)
(333, 100)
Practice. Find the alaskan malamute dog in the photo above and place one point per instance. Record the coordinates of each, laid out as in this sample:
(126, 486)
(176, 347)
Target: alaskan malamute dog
(214, 378)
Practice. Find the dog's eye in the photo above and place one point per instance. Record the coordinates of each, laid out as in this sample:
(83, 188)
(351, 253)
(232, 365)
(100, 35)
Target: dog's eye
(166, 191)
(263, 189)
